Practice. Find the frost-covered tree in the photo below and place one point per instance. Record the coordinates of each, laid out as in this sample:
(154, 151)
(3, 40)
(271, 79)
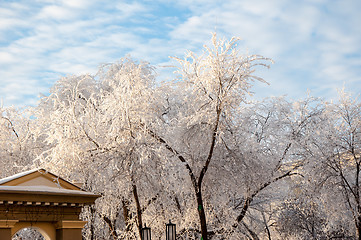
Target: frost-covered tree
(95, 127)
(337, 161)
(194, 150)
(18, 142)
(28, 234)
(271, 144)
(210, 89)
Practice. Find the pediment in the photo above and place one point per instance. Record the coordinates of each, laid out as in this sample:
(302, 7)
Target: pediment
(38, 177)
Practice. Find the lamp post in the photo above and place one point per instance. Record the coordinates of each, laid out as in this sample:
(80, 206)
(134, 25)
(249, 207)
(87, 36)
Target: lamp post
(146, 233)
(170, 231)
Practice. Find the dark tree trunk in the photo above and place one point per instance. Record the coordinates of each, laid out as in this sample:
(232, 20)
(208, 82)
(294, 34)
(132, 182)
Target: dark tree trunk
(245, 207)
(139, 210)
(126, 214)
(111, 225)
(252, 233)
(92, 214)
(202, 215)
(358, 227)
(357, 195)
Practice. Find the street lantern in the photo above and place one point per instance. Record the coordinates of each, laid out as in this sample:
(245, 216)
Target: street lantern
(146, 233)
(170, 231)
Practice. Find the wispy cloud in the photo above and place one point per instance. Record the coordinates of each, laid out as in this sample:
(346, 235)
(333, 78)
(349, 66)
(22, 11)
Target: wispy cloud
(316, 44)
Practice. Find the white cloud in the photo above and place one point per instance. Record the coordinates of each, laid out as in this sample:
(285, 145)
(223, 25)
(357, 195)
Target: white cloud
(56, 12)
(130, 9)
(77, 3)
(316, 44)
(6, 57)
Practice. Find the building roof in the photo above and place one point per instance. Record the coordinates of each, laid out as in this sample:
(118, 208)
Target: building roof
(18, 175)
(40, 186)
(43, 176)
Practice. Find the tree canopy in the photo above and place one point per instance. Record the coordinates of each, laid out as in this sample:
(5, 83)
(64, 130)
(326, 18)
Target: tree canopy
(196, 150)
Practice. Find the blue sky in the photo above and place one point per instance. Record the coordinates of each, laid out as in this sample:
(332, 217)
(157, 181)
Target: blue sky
(316, 44)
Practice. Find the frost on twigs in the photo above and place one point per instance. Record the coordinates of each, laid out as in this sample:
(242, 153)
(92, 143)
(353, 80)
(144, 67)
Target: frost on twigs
(221, 76)
(195, 151)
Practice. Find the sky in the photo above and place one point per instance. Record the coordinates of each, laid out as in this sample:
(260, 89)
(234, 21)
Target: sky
(315, 44)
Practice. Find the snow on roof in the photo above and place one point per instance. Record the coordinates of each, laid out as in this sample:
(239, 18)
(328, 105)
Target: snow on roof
(19, 175)
(40, 170)
(44, 190)
(39, 188)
